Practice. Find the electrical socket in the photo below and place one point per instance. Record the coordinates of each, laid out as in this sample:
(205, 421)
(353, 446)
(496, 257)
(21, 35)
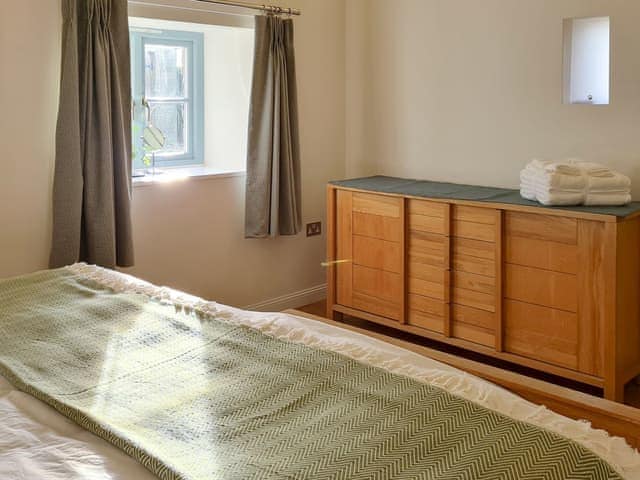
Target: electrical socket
(314, 229)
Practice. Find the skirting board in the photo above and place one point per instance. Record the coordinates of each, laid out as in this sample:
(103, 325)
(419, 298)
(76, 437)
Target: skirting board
(292, 300)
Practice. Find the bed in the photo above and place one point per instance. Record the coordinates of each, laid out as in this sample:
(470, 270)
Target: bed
(107, 376)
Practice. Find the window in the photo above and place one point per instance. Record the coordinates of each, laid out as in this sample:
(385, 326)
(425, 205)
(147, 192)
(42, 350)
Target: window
(586, 60)
(168, 94)
(195, 78)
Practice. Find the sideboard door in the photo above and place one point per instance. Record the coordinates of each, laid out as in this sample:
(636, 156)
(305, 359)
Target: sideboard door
(428, 265)
(554, 290)
(476, 274)
(370, 251)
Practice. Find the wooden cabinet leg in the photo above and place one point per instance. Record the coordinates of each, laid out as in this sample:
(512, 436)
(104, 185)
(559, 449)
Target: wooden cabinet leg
(614, 391)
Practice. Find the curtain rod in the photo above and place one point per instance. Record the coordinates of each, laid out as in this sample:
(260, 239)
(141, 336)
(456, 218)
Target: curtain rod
(252, 6)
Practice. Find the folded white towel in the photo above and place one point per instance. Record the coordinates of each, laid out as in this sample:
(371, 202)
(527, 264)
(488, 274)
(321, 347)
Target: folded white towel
(528, 192)
(566, 167)
(572, 166)
(573, 182)
(595, 169)
(565, 197)
(563, 168)
(528, 184)
(607, 199)
(559, 198)
(538, 164)
(594, 199)
(529, 177)
(615, 182)
(560, 181)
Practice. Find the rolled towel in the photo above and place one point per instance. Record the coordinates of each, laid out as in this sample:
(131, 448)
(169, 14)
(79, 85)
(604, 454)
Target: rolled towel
(607, 199)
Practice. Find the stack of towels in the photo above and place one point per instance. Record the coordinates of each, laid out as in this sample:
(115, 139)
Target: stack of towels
(573, 182)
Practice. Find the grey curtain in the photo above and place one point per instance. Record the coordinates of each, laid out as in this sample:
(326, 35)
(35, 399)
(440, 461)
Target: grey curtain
(273, 195)
(92, 182)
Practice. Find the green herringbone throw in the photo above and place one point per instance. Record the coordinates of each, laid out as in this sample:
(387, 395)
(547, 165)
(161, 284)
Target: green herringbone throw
(194, 397)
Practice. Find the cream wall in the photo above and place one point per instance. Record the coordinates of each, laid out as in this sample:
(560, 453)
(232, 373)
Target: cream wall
(469, 91)
(188, 235)
(29, 71)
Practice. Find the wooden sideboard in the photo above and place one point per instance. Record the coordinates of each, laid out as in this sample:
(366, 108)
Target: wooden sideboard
(552, 289)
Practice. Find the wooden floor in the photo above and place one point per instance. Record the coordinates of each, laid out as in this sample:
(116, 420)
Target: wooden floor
(632, 393)
(319, 309)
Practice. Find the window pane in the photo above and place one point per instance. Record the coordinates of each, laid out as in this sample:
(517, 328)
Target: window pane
(165, 71)
(170, 119)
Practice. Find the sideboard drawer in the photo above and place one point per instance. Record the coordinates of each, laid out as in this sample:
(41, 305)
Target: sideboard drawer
(475, 249)
(541, 227)
(474, 231)
(378, 254)
(429, 249)
(531, 252)
(428, 288)
(474, 325)
(421, 271)
(482, 215)
(428, 208)
(423, 223)
(472, 298)
(382, 205)
(378, 306)
(377, 226)
(377, 283)
(477, 283)
(471, 264)
(428, 313)
(426, 321)
(541, 333)
(377, 291)
(429, 217)
(541, 287)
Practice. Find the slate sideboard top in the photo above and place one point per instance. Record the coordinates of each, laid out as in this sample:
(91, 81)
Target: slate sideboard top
(453, 191)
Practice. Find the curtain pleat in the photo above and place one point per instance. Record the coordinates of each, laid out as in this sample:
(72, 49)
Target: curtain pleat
(92, 180)
(273, 193)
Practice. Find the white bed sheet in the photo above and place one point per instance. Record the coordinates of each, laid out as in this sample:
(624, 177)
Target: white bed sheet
(36, 442)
